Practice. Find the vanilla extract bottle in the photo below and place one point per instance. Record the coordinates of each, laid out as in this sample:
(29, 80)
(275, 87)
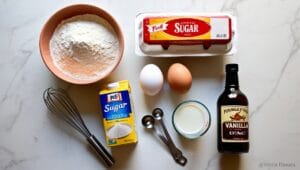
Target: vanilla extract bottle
(232, 108)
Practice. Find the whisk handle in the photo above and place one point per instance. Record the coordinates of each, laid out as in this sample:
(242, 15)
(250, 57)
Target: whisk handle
(105, 155)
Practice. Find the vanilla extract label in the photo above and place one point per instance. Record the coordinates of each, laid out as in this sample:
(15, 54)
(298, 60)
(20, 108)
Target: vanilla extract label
(234, 120)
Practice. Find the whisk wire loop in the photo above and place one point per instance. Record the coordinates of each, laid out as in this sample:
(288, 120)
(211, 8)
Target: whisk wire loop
(60, 104)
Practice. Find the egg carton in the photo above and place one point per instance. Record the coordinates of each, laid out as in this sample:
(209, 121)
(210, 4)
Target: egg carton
(185, 34)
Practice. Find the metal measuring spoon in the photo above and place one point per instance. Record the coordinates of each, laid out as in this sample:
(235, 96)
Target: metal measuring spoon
(176, 153)
(149, 122)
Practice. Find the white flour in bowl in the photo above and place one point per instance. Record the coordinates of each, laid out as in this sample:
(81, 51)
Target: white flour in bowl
(84, 47)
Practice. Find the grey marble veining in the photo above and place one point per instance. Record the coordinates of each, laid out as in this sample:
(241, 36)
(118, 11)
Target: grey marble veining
(295, 32)
(269, 59)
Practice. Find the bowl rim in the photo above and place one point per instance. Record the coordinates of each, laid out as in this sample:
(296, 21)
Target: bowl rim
(116, 28)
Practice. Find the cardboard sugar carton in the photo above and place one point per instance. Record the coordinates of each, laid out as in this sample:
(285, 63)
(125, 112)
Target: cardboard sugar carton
(118, 114)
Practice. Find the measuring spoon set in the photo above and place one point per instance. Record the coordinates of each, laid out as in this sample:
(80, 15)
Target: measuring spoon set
(148, 122)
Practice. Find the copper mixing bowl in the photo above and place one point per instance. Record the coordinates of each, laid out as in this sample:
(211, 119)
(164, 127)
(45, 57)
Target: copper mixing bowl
(63, 14)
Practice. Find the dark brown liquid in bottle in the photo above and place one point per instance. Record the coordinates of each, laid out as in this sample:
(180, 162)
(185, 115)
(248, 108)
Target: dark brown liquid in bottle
(233, 97)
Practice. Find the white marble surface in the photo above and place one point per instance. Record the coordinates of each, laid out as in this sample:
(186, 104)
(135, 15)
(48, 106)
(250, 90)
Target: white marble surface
(269, 58)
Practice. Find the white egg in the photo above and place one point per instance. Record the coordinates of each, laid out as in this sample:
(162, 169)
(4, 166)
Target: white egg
(151, 79)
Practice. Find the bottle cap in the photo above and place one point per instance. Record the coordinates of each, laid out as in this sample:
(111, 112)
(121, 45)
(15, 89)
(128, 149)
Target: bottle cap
(232, 68)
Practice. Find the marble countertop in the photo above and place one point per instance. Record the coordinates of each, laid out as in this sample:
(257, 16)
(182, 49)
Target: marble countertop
(269, 59)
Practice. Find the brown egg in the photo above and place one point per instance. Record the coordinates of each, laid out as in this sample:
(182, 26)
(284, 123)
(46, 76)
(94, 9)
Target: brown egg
(179, 78)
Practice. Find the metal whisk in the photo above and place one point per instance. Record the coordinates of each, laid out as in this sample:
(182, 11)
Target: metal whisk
(60, 104)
